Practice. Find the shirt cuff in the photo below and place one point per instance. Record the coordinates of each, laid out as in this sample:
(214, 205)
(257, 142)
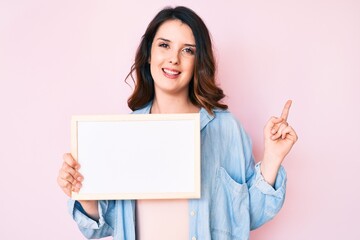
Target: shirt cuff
(280, 183)
(82, 219)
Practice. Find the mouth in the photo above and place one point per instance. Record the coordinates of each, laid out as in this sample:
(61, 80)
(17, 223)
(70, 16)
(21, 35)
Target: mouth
(171, 73)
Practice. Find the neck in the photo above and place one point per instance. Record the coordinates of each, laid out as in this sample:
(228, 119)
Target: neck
(173, 104)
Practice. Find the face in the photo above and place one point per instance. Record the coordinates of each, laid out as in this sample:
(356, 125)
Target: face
(172, 58)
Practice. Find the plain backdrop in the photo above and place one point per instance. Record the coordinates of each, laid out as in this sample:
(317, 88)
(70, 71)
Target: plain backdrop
(61, 58)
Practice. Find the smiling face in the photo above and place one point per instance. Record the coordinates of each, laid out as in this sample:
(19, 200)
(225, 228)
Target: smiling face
(172, 58)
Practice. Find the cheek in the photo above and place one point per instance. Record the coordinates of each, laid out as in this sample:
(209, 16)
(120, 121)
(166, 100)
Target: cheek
(156, 59)
(154, 71)
(154, 62)
(189, 73)
(157, 56)
(190, 65)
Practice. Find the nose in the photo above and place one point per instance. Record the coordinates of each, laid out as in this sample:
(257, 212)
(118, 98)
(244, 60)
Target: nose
(174, 58)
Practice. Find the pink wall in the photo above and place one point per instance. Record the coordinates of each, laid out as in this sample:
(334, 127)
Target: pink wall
(59, 58)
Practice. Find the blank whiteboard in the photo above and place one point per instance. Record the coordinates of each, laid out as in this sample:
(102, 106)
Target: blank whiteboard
(137, 156)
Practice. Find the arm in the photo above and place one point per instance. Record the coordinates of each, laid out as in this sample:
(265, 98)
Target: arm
(70, 179)
(89, 227)
(90, 215)
(259, 201)
(265, 200)
(279, 139)
(267, 180)
(91, 208)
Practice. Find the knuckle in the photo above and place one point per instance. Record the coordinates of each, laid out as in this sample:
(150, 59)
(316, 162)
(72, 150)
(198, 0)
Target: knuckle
(69, 169)
(69, 178)
(77, 176)
(67, 185)
(69, 159)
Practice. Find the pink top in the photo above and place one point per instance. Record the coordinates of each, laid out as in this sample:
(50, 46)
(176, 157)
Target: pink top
(162, 219)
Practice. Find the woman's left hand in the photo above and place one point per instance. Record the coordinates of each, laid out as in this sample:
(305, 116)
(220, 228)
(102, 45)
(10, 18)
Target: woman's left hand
(279, 135)
(279, 139)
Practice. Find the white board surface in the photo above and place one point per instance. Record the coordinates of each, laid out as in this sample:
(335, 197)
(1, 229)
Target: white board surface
(138, 156)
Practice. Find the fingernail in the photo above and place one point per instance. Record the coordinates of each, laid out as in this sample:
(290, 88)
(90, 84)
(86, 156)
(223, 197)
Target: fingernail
(78, 185)
(79, 179)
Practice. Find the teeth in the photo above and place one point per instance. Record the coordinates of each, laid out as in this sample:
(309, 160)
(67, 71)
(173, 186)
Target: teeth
(171, 72)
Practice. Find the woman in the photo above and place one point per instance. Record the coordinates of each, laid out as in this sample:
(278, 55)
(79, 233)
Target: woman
(175, 73)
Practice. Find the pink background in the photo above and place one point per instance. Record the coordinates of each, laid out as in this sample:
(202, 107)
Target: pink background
(59, 58)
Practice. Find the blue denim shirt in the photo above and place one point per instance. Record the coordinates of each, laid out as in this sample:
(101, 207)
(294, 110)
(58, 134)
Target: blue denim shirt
(235, 198)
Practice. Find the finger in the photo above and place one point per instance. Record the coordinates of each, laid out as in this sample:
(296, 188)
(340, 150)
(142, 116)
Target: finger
(67, 176)
(272, 126)
(69, 185)
(75, 174)
(286, 109)
(67, 179)
(77, 187)
(71, 161)
(271, 123)
(277, 126)
(289, 134)
(65, 186)
(280, 131)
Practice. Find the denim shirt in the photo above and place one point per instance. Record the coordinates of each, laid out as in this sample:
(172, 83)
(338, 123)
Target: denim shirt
(235, 198)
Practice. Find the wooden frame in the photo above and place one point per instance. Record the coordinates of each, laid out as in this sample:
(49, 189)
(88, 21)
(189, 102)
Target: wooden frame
(137, 156)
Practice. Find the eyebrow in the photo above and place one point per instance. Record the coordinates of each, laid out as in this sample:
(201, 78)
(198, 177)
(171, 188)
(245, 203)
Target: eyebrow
(167, 40)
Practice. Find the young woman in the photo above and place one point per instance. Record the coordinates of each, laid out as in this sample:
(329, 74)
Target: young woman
(175, 73)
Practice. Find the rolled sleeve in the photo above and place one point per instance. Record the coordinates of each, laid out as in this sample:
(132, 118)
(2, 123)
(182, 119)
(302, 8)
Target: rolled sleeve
(89, 227)
(280, 183)
(266, 200)
(82, 219)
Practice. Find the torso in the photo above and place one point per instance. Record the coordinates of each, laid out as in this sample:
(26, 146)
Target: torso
(162, 219)
(169, 218)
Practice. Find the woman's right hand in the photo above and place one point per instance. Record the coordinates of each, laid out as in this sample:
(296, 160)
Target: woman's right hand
(69, 178)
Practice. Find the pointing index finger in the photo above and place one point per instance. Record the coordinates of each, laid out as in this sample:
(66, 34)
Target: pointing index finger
(285, 111)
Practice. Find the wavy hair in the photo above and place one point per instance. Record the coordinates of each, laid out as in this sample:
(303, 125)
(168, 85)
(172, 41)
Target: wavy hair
(203, 91)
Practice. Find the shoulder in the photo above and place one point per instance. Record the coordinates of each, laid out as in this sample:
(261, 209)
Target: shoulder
(143, 110)
(226, 118)
(225, 123)
(221, 120)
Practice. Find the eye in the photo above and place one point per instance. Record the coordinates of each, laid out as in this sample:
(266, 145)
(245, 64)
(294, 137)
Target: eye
(189, 51)
(164, 45)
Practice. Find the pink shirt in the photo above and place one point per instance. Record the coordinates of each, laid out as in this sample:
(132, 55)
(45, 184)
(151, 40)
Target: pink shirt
(162, 219)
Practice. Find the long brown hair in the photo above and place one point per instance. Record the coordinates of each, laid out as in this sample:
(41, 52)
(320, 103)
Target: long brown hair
(203, 91)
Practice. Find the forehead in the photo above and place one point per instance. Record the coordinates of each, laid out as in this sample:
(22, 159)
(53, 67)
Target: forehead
(175, 31)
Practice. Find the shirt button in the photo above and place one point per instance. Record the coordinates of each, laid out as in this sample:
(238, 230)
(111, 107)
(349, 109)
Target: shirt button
(192, 213)
(193, 238)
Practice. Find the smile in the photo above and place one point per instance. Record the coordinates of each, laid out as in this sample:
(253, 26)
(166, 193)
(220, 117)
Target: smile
(170, 72)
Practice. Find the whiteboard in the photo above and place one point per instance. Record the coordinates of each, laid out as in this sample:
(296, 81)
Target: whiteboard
(137, 156)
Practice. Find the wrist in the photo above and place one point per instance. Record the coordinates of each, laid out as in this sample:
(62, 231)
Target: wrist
(269, 170)
(272, 159)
